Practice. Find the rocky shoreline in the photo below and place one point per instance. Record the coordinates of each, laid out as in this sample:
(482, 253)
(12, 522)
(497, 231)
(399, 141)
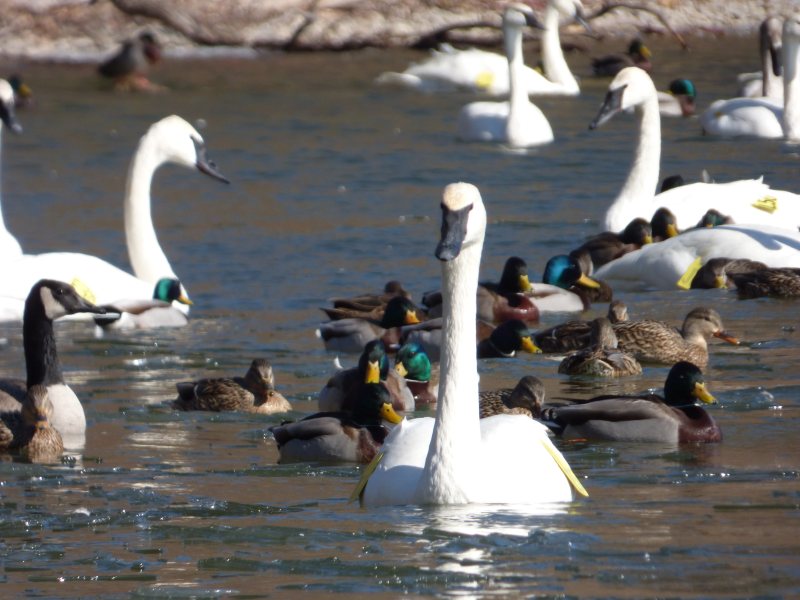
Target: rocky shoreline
(87, 30)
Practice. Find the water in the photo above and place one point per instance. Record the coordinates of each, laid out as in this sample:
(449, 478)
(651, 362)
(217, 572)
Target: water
(336, 188)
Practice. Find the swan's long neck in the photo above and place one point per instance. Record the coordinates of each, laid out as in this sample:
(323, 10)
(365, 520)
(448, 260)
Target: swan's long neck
(791, 90)
(635, 199)
(770, 83)
(9, 246)
(147, 258)
(456, 435)
(518, 93)
(555, 65)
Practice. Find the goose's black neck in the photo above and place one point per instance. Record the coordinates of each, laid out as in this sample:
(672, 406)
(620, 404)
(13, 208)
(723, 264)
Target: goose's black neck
(41, 358)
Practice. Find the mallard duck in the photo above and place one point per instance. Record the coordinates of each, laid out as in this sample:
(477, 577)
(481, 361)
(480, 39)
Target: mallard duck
(501, 301)
(29, 431)
(23, 94)
(148, 314)
(526, 398)
(607, 246)
(714, 218)
(339, 436)
(255, 392)
(428, 334)
(575, 334)
(506, 340)
(458, 458)
(369, 301)
(775, 283)
(715, 273)
(678, 100)
(602, 358)
(128, 66)
(673, 418)
(340, 393)
(48, 300)
(351, 335)
(663, 224)
(412, 363)
(577, 291)
(638, 55)
(657, 342)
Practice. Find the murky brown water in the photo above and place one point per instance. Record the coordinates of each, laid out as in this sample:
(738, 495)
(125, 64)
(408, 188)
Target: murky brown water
(336, 186)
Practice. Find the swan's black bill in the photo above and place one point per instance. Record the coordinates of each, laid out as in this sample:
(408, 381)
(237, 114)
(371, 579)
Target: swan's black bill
(611, 106)
(204, 165)
(454, 230)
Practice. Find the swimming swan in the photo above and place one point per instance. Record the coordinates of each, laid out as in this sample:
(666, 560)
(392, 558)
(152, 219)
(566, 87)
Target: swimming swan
(768, 81)
(517, 122)
(475, 70)
(169, 140)
(764, 117)
(9, 246)
(458, 458)
(747, 201)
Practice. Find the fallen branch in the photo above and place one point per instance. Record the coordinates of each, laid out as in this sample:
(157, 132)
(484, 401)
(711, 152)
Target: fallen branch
(609, 6)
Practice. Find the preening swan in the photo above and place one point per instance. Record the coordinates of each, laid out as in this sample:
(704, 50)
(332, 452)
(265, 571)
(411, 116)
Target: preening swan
(449, 69)
(747, 201)
(169, 140)
(9, 246)
(517, 122)
(766, 117)
(457, 458)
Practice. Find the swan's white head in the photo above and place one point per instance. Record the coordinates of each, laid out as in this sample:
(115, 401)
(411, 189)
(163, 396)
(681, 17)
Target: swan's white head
(517, 16)
(7, 107)
(463, 220)
(571, 9)
(791, 29)
(174, 140)
(631, 88)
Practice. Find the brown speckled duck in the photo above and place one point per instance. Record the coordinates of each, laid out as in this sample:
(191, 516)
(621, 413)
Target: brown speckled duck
(574, 335)
(602, 358)
(29, 432)
(526, 398)
(657, 342)
(255, 392)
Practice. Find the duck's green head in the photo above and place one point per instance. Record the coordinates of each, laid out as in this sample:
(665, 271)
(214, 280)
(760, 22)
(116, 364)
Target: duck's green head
(399, 311)
(515, 276)
(664, 224)
(685, 384)
(169, 289)
(374, 404)
(682, 87)
(714, 218)
(373, 363)
(564, 271)
(513, 336)
(413, 363)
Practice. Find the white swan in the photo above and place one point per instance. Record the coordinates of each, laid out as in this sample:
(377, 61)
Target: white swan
(747, 201)
(764, 117)
(517, 122)
(660, 266)
(458, 458)
(9, 246)
(169, 140)
(449, 69)
(768, 81)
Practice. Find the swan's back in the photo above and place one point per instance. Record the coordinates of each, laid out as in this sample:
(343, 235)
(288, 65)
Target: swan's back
(744, 117)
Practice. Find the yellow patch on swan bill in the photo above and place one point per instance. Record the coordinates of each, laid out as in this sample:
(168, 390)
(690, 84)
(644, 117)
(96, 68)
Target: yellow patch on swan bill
(564, 466)
(685, 282)
(767, 204)
(83, 290)
(358, 492)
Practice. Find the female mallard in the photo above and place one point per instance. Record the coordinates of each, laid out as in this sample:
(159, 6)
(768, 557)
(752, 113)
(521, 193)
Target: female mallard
(506, 340)
(673, 418)
(351, 335)
(607, 246)
(501, 301)
(255, 392)
(339, 436)
(29, 432)
(574, 335)
(412, 363)
(775, 283)
(128, 66)
(717, 272)
(603, 358)
(148, 314)
(526, 398)
(341, 391)
(638, 55)
(657, 342)
(366, 303)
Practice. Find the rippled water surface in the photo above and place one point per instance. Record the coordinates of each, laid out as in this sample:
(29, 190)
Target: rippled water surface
(336, 188)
